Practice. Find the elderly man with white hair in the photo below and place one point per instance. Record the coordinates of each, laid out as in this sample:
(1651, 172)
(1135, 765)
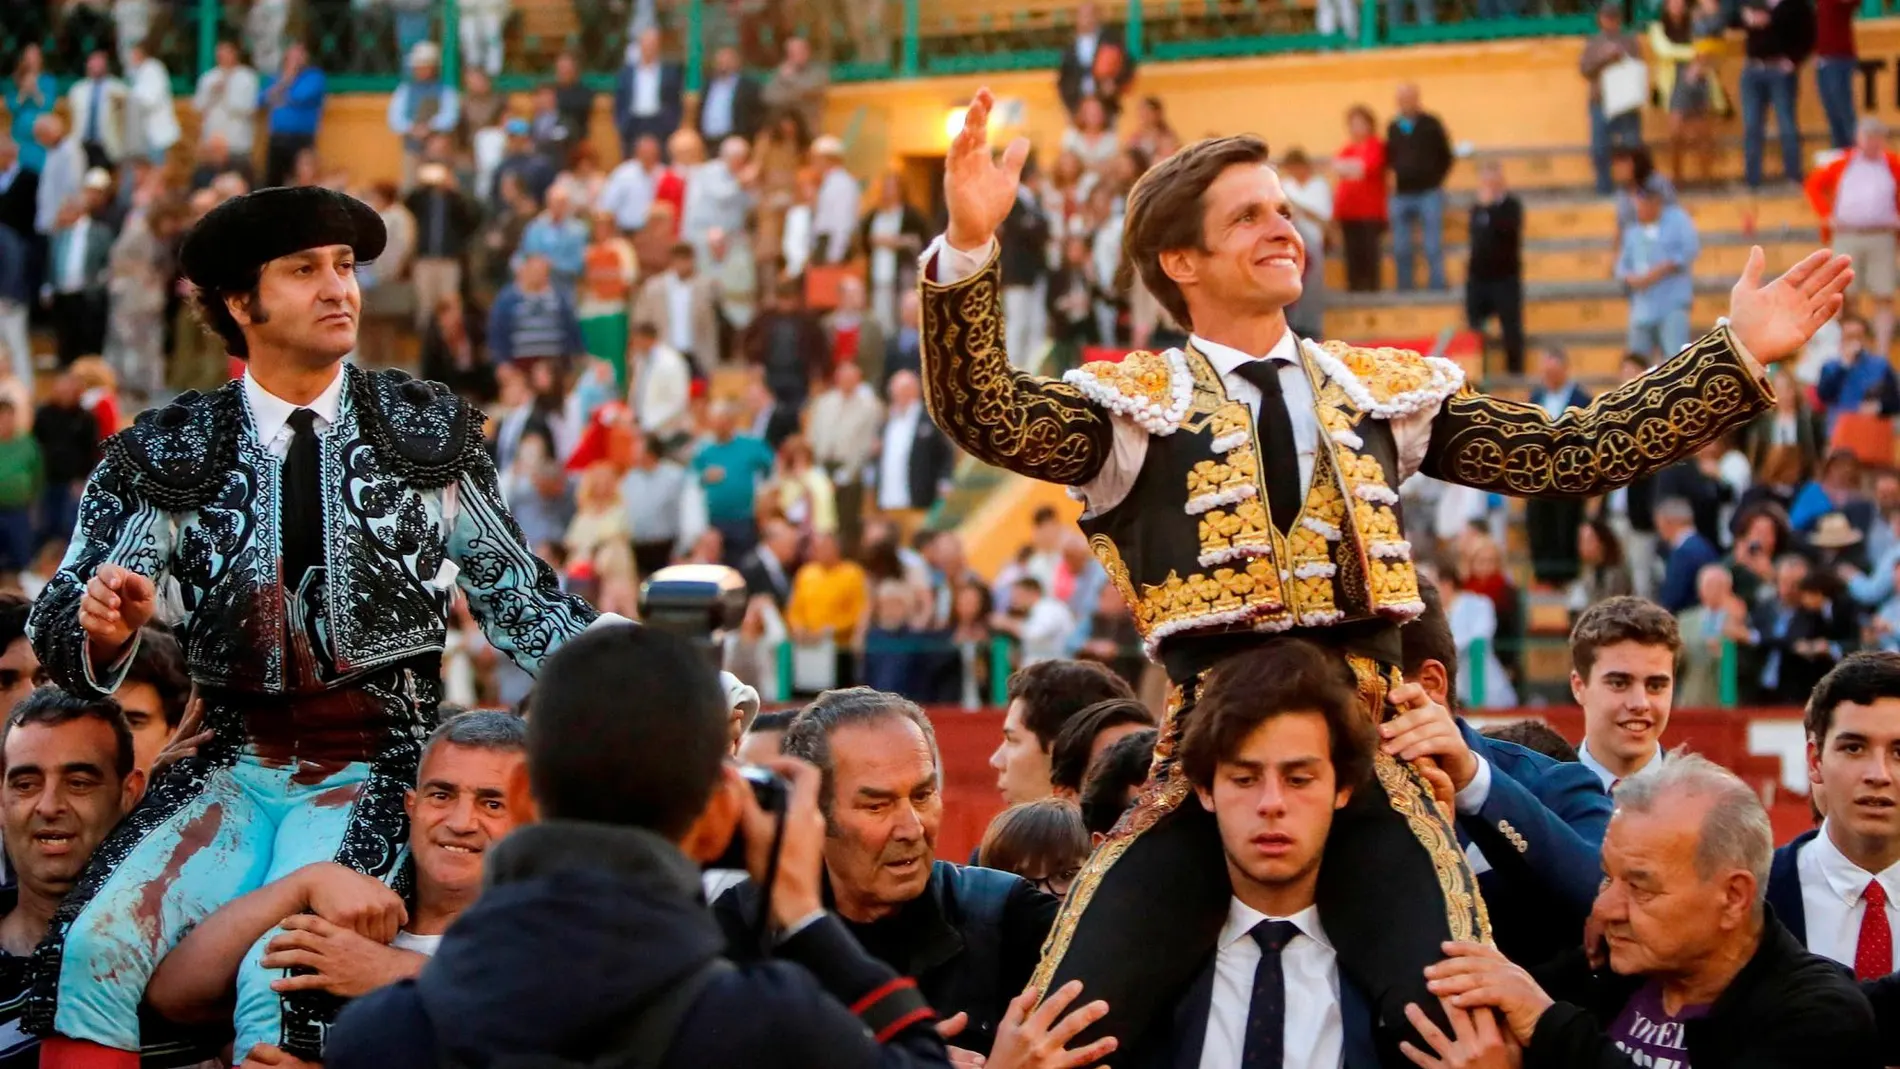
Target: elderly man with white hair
(1686, 964)
(834, 220)
(719, 194)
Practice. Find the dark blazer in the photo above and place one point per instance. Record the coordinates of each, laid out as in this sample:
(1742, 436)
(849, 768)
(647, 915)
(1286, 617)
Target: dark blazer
(97, 256)
(1784, 887)
(748, 112)
(1072, 72)
(1541, 830)
(932, 461)
(1678, 586)
(1786, 1009)
(759, 579)
(1023, 242)
(1884, 994)
(19, 201)
(672, 98)
(1177, 1041)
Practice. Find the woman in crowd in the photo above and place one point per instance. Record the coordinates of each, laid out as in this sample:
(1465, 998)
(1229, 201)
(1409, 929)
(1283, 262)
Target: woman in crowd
(1474, 622)
(1063, 196)
(608, 269)
(780, 154)
(452, 351)
(598, 534)
(892, 236)
(1482, 572)
(1043, 841)
(389, 298)
(971, 608)
(1091, 139)
(1153, 136)
(1795, 426)
(1762, 535)
(1604, 573)
(1687, 86)
(140, 266)
(802, 491)
(29, 93)
(1359, 200)
(584, 177)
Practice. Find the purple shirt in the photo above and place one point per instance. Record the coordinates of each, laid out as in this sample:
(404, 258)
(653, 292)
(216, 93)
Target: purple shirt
(1652, 1038)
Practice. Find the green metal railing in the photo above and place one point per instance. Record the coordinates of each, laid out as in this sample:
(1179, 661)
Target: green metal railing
(360, 46)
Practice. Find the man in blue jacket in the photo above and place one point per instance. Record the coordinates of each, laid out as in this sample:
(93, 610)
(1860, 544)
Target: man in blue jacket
(1532, 826)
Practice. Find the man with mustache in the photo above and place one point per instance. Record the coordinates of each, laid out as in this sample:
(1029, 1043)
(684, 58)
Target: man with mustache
(1243, 489)
(1623, 673)
(315, 520)
(347, 934)
(1837, 888)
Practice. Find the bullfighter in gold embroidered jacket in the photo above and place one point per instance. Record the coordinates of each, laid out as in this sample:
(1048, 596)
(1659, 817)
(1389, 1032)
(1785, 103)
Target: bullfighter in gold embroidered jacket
(1231, 504)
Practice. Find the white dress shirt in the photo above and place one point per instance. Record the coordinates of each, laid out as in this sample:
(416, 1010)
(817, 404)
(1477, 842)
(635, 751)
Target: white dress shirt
(716, 112)
(72, 259)
(1412, 433)
(679, 312)
(1608, 777)
(1315, 1033)
(1831, 890)
(646, 89)
(835, 214)
(270, 414)
(628, 194)
(893, 464)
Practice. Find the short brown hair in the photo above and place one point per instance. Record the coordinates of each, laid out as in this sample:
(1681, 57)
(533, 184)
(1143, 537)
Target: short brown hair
(1165, 212)
(1287, 676)
(1620, 619)
(1054, 691)
(1036, 840)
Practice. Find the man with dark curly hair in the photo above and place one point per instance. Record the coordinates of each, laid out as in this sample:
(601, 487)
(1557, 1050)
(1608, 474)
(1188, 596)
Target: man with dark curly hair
(316, 519)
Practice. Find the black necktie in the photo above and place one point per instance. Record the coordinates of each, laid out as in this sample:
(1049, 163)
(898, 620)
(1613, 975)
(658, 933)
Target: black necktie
(302, 512)
(1281, 462)
(1265, 1046)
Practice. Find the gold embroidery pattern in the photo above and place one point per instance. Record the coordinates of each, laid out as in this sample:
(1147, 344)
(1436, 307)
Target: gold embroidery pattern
(1235, 474)
(1386, 373)
(1033, 426)
(1153, 389)
(1381, 555)
(1111, 559)
(1637, 428)
(1410, 797)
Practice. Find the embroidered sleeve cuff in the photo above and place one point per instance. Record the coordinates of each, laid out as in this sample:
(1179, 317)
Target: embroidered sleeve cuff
(946, 265)
(115, 672)
(1477, 792)
(1756, 369)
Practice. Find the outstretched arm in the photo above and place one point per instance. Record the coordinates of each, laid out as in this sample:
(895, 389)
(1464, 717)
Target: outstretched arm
(1042, 428)
(1652, 421)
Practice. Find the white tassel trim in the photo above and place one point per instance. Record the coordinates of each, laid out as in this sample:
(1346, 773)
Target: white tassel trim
(1212, 619)
(1203, 502)
(1447, 377)
(1320, 527)
(1391, 550)
(1314, 570)
(1349, 439)
(1233, 553)
(1321, 619)
(1404, 610)
(1231, 442)
(1153, 418)
(1278, 623)
(1373, 492)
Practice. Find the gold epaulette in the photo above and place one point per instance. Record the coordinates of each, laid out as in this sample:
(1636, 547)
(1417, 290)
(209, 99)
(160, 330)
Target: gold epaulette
(1387, 383)
(1152, 389)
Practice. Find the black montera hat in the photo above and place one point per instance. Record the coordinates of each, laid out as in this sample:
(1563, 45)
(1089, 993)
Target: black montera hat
(244, 233)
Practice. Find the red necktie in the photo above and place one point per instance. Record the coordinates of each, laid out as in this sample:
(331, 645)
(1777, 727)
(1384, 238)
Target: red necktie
(1873, 956)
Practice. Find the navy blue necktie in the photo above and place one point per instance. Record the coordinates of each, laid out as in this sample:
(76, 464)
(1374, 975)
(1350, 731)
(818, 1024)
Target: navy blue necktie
(1280, 462)
(1265, 1047)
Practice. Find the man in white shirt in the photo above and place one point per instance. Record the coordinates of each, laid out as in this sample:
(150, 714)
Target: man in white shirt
(1038, 622)
(646, 94)
(684, 307)
(843, 431)
(628, 194)
(914, 461)
(660, 383)
(835, 216)
(1311, 199)
(1837, 888)
(1276, 749)
(97, 106)
(1623, 673)
(61, 174)
(1866, 215)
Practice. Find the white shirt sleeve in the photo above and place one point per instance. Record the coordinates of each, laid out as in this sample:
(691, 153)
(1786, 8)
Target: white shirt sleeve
(1477, 792)
(948, 265)
(1413, 435)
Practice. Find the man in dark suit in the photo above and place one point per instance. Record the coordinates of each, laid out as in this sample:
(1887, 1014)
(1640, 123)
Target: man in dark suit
(914, 459)
(1096, 64)
(1685, 552)
(648, 95)
(19, 190)
(75, 284)
(1830, 887)
(1552, 523)
(1023, 244)
(768, 568)
(1276, 748)
(1531, 825)
(731, 105)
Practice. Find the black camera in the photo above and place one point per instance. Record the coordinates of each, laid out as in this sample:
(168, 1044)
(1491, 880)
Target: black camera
(774, 796)
(701, 602)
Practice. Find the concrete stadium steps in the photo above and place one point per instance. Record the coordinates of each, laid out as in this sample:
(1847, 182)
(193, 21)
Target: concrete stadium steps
(1561, 217)
(1527, 169)
(1593, 258)
(1584, 307)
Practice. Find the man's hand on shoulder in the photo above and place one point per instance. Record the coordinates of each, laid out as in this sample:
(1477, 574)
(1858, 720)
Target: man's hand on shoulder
(1424, 728)
(1774, 320)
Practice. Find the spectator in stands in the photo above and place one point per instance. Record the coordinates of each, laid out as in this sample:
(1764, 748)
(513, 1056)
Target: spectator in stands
(799, 85)
(628, 195)
(730, 105)
(1835, 488)
(1687, 551)
(1830, 886)
(559, 236)
(527, 167)
(615, 861)
(801, 491)
(684, 307)
(1095, 65)
(790, 345)
(891, 236)
(665, 508)
(1686, 42)
(226, 100)
(648, 93)
(718, 196)
(533, 319)
(1860, 379)
(1114, 779)
(1044, 842)
(1359, 199)
(1419, 155)
(1603, 572)
(1022, 244)
(835, 214)
(553, 138)
(1153, 136)
(1835, 61)
(151, 117)
(452, 351)
(1857, 197)
(830, 603)
(769, 567)
(1043, 698)
(1494, 276)
(730, 467)
(69, 777)
(480, 24)
(852, 333)
(915, 462)
(77, 257)
(1770, 625)
(1611, 44)
(572, 97)
(22, 476)
(482, 112)
(1073, 287)
(660, 382)
(1779, 38)
(215, 159)
(1697, 972)
(99, 109)
(1623, 655)
(63, 174)
(1761, 535)
(947, 571)
(1087, 734)
(1718, 619)
(294, 97)
(903, 349)
(1550, 523)
(446, 219)
(1311, 199)
(1657, 263)
(28, 93)
(1538, 885)
(883, 803)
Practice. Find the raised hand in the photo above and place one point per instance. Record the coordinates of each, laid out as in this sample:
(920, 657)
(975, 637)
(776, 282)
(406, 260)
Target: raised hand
(978, 189)
(1774, 321)
(118, 601)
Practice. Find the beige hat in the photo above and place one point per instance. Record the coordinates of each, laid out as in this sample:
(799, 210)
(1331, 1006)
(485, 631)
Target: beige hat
(425, 52)
(1834, 532)
(98, 178)
(827, 145)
